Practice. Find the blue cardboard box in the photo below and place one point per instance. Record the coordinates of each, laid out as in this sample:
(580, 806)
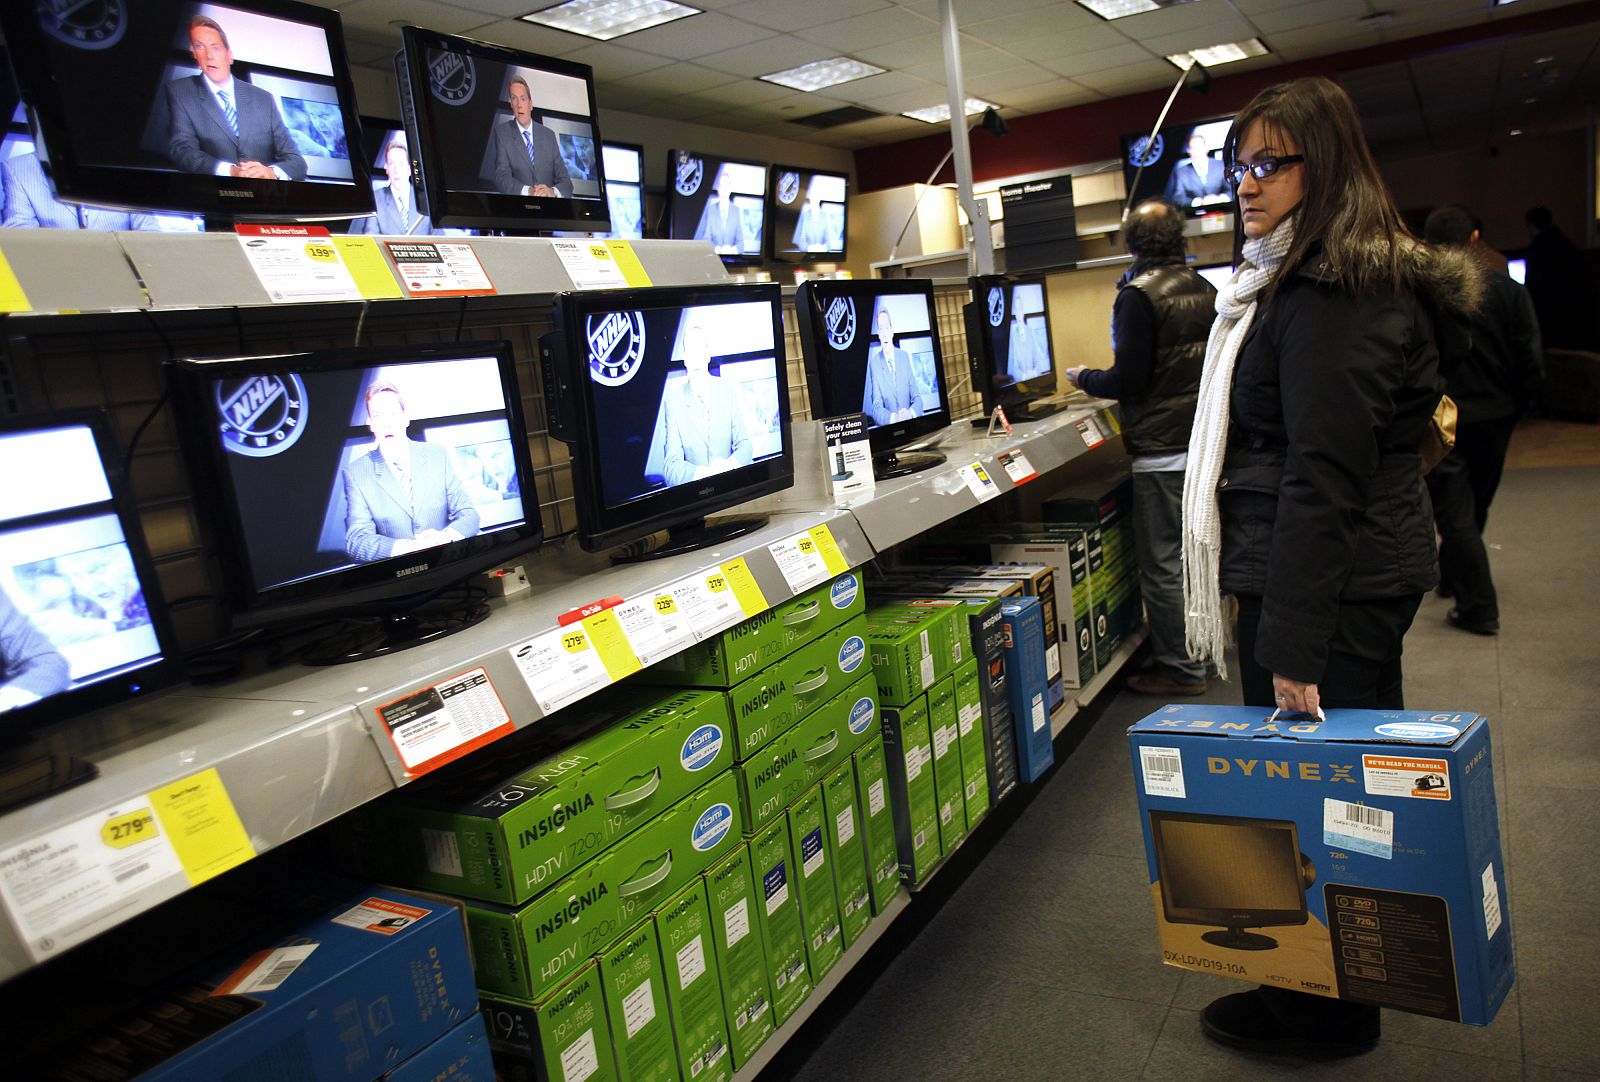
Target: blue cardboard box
(1356, 858)
(462, 1055)
(1022, 621)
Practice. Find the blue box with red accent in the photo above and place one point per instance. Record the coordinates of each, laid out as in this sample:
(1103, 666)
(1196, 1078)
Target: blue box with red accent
(1356, 857)
(1027, 684)
(462, 1055)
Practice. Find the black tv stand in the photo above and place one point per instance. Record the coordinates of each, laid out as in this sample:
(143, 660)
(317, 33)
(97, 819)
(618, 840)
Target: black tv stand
(690, 536)
(1240, 940)
(887, 464)
(363, 637)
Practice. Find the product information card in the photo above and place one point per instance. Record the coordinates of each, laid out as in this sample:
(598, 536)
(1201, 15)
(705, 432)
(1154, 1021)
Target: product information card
(849, 451)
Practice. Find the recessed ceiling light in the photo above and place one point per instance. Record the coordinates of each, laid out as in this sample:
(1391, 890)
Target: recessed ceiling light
(1503, 3)
(938, 114)
(1116, 9)
(821, 73)
(1212, 55)
(607, 19)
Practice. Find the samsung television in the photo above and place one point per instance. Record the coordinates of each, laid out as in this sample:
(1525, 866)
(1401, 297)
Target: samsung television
(676, 403)
(1234, 872)
(81, 620)
(235, 110)
(806, 212)
(1182, 165)
(351, 477)
(721, 200)
(1008, 341)
(624, 165)
(503, 139)
(872, 347)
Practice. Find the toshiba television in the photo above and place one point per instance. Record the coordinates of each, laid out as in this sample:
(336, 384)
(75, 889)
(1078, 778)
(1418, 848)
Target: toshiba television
(676, 404)
(1232, 872)
(1008, 341)
(350, 478)
(806, 209)
(872, 347)
(235, 110)
(716, 199)
(503, 139)
(624, 164)
(81, 620)
(1182, 165)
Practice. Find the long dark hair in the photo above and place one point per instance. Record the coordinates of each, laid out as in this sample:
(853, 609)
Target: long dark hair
(1347, 207)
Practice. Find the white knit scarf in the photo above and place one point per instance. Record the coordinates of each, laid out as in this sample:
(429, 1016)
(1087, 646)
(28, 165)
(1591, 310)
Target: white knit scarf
(1205, 630)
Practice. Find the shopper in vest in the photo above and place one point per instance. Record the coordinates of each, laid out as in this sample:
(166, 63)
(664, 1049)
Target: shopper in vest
(1158, 337)
(1304, 496)
(1492, 367)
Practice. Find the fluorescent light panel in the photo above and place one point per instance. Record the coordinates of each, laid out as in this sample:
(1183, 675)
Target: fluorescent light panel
(1117, 9)
(607, 19)
(823, 73)
(1212, 55)
(938, 114)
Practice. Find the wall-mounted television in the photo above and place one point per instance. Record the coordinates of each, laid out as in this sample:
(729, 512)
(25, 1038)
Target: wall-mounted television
(81, 619)
(347, 477)
(1008, 339)
(504, 139)
(807, 214)
(676, 403)
(243, 109)
(1183, 165)
(1234, 872)
(872, 347)
(624, 164)
(716, 199)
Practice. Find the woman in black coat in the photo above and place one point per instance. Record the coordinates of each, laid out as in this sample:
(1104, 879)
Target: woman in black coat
(1304, 497)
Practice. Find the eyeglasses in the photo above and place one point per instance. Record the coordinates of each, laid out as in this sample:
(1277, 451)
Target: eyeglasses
(1261, 169)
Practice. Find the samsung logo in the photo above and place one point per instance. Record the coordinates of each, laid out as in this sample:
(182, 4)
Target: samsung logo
(236, 193)
(569, 913)
(404, 571)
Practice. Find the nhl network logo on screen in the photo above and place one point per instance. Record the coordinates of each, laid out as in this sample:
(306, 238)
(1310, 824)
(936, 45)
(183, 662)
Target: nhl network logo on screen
(451, 76)
(841, 321)
(262, 415)
(997, 306)
(788, 187)
(690, 172)
(616, 346)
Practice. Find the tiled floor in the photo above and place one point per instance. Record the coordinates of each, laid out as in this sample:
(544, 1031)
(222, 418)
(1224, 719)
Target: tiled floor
(1043, 963)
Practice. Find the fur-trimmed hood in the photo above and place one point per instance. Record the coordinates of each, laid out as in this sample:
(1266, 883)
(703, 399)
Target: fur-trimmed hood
(1448, 278)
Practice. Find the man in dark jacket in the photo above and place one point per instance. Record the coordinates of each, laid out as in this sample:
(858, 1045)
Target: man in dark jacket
(1492, 365)
(1159, 326)
(1558, 282)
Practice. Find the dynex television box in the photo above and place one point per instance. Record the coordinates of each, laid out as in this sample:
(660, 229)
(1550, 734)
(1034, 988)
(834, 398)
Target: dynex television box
(1356, 858)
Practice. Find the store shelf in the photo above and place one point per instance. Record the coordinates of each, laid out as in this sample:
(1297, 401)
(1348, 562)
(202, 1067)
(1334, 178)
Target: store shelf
(858, 950)
(1103, 678)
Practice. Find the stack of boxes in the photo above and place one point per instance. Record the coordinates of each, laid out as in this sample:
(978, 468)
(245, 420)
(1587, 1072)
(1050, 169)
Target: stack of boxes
(1100, 511)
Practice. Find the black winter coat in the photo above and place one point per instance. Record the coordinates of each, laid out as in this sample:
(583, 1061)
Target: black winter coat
(1322, 497)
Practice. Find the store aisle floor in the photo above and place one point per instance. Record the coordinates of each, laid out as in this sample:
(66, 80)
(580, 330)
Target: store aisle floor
(1043, 965)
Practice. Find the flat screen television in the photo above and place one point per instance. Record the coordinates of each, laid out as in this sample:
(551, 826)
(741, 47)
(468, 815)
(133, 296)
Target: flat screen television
(676, 403)
(807, 212)
(1235, 872)
(721, 200)
(351, 477)
(1183, 165)
(1008, 340)
(872, 347)
(624, 163)
(81, 619)
(236, 110)
(1217, 274)
(504, 139)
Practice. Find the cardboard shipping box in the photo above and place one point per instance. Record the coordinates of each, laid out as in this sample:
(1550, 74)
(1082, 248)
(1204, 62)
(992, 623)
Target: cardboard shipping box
(1027, 686)
(944, 729)
(462, 1055)
(819, 900)
(560, 1037)
(778, 917)
(1356, 858)
(877, 823)
(694, 987)
(636, 1006)
(742, 962)
(908, 753)
(972, 736)
(846, 852)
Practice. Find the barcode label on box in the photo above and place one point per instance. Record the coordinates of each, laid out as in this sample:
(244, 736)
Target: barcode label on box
(1163, 772)
(1360, 827)
(1491, 902)
(266, 971)
(444, 857)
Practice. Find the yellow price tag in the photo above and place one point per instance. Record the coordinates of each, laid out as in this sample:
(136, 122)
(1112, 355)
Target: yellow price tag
(806, 545)
(202, 825)
(364, 260)
(627, 261)
(1112, 420)
(12, 296)
(600, 251)
(322, 252)
(716, 582)
(575, 642)
(829, 548)
(666, 604)
(129, 829)
(745, 588)
(611, 643)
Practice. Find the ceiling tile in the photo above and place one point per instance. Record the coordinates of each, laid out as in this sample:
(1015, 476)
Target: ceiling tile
(1129, 78)
(906, 100)
(676, 79)
(1214, 33)
(615, 61)
(1015, 32)
(978, 60)
(1101, 60)
(765, 57)
(1301, 15)
(881, 86)
(1057, 19)
(1012, 78)
(1321, 41)
(865, 31)
(698, 35)
(900, 55)
(790, 15)
(516, 34)
(674, 108)
(1171, 20)
(363, 48)
(745, 93)
(1060, 95)
(386, 16)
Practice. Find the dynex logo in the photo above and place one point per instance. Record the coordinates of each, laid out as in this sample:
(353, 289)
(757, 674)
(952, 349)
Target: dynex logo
(997, 306)
(689, 173)
(712, 827)
(451, 76)
(840, 319)
(261, 415)
(701, 748)
(616, 346)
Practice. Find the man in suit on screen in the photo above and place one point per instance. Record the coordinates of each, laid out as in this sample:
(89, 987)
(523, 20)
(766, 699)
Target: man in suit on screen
(396, 201)
(30, 203)
(403, 495)
(891, 392)
(1197, 179)
(703, 432)
(722, 222)
(224, 126)
(527, 157)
